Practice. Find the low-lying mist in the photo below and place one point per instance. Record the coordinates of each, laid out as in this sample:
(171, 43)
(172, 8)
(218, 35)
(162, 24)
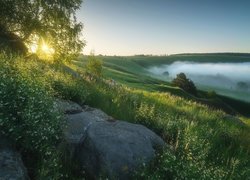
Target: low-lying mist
(231, 79)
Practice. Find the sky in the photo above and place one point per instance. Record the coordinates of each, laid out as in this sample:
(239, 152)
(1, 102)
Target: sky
(158, 27)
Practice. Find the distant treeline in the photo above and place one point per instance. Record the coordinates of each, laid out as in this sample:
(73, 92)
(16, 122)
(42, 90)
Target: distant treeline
(215, 54)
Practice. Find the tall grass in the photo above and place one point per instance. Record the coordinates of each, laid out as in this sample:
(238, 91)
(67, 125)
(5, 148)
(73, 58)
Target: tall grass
(204, 145)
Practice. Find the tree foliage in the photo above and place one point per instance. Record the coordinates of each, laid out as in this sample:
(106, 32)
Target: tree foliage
(184, 83)
(53, 21)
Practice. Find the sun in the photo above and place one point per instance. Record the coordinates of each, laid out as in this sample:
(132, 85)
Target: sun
(47, 49)
(42, 48)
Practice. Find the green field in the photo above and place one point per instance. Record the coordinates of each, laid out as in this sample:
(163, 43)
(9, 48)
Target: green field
(132, 72)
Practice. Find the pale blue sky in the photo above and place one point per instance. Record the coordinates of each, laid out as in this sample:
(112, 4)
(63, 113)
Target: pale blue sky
(128, 27)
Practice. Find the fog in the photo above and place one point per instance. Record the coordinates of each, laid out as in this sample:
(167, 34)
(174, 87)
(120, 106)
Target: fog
(221, 77)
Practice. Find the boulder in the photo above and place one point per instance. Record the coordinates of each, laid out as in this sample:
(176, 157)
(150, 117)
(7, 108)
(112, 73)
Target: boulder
(11, 164)
(105, 147)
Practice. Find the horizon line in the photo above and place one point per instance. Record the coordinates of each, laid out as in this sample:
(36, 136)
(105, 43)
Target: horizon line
(166, 54)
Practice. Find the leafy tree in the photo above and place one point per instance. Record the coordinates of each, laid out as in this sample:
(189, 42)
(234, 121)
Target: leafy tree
(53, 22)
(184, 83)
(94, 66)
(242, 85)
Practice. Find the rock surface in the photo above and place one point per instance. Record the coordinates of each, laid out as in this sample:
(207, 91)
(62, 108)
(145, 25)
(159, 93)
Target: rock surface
(11, 165)
(67, 107)
(105, 147)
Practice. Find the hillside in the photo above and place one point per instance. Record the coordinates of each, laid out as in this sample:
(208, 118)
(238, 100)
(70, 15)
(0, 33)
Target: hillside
(204, 142)
(132, 72)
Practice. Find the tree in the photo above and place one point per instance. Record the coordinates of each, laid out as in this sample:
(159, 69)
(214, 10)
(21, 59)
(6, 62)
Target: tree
(184, 83)
(94, 66)
(242, 86)
(47, 21)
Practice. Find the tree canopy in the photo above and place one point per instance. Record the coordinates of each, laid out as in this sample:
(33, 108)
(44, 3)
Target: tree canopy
(43, 21)
(184, 83)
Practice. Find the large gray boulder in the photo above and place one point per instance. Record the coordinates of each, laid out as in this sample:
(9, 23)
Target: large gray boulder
(105, 147)
(11, 164)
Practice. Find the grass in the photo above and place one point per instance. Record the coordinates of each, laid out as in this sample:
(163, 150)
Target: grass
(237, 95)
(205, 145)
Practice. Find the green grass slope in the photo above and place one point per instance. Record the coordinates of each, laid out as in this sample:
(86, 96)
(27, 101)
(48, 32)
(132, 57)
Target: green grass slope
(131, 71)
(205, 143)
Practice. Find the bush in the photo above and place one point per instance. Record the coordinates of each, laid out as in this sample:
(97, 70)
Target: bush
(184, 83)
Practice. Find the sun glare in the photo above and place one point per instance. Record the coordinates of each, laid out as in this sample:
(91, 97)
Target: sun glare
(46, 49)
(42, 48)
